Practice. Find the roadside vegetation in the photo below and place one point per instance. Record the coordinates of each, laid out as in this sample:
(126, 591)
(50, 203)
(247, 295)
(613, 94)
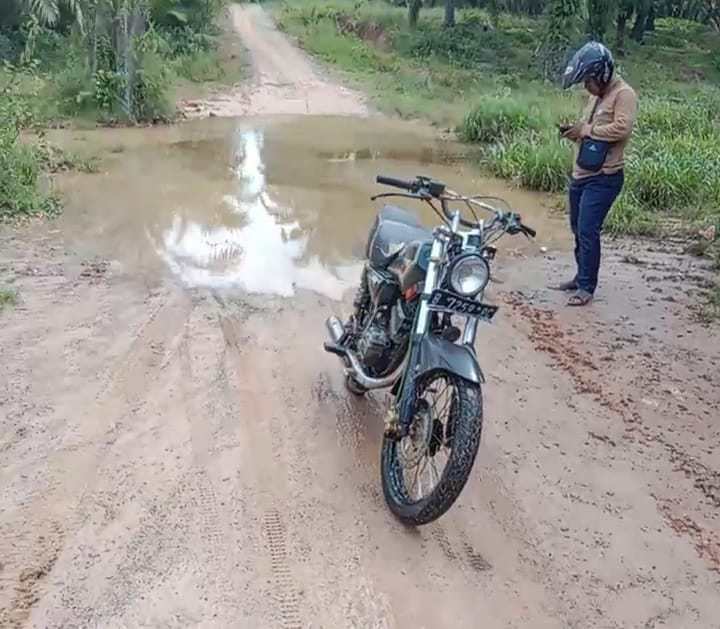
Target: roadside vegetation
(488, 70)
(81, 62)
(485, 77)
(8, 298)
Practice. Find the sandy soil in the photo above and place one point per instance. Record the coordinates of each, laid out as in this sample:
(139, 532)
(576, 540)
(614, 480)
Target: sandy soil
(284, 81)
(175, 458)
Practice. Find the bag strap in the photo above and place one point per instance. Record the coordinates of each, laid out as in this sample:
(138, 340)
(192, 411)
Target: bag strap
(597, 102)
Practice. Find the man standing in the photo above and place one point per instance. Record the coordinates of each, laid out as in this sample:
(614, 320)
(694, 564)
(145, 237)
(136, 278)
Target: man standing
(597, 177)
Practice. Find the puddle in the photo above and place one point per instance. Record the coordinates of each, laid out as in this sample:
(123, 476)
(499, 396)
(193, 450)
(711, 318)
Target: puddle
(265, 206)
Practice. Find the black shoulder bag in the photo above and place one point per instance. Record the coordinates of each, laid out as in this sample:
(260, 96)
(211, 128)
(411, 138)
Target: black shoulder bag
(593, 153)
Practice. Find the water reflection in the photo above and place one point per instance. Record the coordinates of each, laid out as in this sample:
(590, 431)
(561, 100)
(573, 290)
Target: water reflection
(265, 253)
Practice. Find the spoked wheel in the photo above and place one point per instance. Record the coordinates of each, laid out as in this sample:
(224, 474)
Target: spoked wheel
(424, 472)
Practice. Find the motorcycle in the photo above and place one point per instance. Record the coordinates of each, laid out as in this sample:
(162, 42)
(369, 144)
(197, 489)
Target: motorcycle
(401, 335)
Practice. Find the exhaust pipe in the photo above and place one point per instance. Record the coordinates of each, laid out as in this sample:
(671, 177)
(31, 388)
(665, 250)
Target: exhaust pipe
(353, 366)
(335, 328)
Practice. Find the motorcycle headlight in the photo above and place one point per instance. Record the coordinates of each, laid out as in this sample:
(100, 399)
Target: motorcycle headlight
(469, 275)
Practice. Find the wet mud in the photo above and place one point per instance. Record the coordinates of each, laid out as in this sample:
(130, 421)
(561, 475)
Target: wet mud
(176, 450)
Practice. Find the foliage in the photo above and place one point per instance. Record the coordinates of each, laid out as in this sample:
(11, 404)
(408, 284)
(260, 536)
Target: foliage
(113, 60)
(8, 297)
(673, 165)
(479, 75)
(20, 164)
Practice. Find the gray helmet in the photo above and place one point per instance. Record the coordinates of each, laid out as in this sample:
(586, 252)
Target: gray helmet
(592, 60)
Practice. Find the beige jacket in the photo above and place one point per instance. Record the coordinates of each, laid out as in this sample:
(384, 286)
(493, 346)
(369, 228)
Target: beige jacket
(613, 122)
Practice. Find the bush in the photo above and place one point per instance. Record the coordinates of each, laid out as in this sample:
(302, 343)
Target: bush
(19, 163)
(500, 118)
(102, 95)
(535, 161)
(198, 67)
(672, 162)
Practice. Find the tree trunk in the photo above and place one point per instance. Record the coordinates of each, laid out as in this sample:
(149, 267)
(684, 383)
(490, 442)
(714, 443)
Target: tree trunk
(650, 22)
(413, 12)
(638, 29)
(621, 25)
(449, 20)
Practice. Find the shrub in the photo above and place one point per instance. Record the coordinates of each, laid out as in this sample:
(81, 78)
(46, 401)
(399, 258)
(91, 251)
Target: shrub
(502, 118)
(198, 67)
(538, 161)
(673, 162)
(19, 163)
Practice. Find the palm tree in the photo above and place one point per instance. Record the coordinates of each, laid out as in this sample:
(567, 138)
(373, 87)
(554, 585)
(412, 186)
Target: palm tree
(47, 12)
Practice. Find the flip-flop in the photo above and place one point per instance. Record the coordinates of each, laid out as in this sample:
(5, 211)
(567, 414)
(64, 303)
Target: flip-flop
(564, 286)
(580, 298)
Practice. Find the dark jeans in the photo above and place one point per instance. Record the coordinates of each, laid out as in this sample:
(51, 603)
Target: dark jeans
(590, 202)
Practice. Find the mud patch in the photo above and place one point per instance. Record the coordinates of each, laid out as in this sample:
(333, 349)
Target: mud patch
(584, 369)
(95, 270)
(27, 586)
(706, 543)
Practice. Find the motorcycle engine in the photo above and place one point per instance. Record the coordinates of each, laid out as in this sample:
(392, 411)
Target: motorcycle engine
(383, 341)
(374, 345)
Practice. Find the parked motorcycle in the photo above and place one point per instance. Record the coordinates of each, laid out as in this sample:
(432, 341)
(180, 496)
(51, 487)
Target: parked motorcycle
(403, 334)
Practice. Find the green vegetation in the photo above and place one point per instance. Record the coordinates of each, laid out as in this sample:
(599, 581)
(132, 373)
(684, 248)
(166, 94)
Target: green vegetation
(8, 297)
(116, 62)
(487, 77)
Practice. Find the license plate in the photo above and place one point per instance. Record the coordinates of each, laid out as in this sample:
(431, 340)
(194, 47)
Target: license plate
(450, 302)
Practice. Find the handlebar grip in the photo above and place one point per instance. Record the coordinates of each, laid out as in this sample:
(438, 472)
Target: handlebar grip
(529, 231)
(395, 183)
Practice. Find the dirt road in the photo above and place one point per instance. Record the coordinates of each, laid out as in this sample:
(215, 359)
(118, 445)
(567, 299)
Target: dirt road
(177, 451)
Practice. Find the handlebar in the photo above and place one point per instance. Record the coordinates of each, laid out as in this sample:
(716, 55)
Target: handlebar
(528, 231)
(395, 183)
(425, 189)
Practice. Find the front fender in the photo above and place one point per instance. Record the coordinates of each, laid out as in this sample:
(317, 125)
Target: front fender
(437, 354)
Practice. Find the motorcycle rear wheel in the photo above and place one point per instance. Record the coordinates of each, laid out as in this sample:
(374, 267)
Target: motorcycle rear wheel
(466, 428)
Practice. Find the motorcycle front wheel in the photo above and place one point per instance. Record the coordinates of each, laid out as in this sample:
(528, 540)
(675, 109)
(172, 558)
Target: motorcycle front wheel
(407, 463)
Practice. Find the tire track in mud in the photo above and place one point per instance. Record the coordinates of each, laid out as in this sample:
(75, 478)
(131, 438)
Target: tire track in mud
(359, 428)
(184, 529)
(304, 481)
(71, 470)
(287, 598)
(214, 531)
(267, 482)
(547, 336)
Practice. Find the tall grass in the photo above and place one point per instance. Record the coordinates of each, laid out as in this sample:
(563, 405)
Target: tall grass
(672, 164)
(478, 78)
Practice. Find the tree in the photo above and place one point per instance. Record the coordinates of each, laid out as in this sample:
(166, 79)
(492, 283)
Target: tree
(413, 12)
(449, 15)
(600, 15)
(560, 29)
(47, 12)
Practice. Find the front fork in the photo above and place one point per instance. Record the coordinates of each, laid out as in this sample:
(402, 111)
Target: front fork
(401, 413)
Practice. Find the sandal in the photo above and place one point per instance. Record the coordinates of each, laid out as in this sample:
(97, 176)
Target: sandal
(564, 286)
(580, 298)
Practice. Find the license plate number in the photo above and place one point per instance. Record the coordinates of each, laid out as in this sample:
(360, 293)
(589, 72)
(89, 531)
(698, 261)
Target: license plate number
(445, 300)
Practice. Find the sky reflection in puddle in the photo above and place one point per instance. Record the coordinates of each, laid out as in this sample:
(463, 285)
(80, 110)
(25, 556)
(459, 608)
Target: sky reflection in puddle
(264, 254)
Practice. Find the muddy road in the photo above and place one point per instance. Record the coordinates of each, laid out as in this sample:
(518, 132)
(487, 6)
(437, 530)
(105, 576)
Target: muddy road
(176, 450)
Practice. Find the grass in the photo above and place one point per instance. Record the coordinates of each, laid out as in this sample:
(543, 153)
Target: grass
(479, 80)
(8, 298)
(176, 66)
(57, 89)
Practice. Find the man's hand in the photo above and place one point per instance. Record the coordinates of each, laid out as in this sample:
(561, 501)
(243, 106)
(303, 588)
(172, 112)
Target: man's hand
(574, 133)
